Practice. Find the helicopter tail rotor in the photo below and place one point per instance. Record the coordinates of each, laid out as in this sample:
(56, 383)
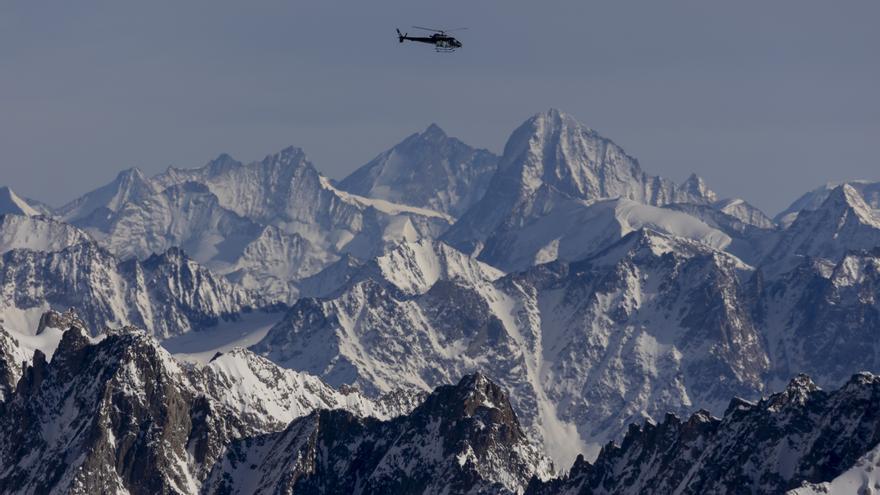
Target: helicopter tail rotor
(400, 36)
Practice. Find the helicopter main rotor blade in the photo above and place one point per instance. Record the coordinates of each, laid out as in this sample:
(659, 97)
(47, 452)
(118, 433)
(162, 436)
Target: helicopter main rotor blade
(429, 29)
(453, 30)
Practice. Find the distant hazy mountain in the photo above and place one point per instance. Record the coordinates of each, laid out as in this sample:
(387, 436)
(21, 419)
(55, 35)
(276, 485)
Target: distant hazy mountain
(550, 160)
(430, 170)
(266, 225)
(11, 203)
(843, 222)
(870, 192)
(129, 185)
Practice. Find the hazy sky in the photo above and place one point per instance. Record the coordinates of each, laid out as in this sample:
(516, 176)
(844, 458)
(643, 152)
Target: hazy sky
(763, 99)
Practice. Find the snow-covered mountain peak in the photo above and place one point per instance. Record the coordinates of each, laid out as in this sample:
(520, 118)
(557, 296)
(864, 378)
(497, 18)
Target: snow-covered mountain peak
(465, 399)
(414, 267)
(553, 149)
(550, 160)
(433, 131)
(11, 203)
(476, 390)
(292, 157)
(429, 170)
(128, 186)
(431, 450)
(860, 380)
(744, 212)
(846, 198)
(411, 267)
(274, 167)
(266, 224)
(797, 392)
(842, 223)
(697, 187)
(856, 268)
(233, 357)
(130, 178)
(223, 164)
(868, 190)
(73, 340)
(39, 233)
(554, 119)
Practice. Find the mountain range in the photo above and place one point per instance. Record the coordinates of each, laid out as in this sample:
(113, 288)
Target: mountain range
(312, 320)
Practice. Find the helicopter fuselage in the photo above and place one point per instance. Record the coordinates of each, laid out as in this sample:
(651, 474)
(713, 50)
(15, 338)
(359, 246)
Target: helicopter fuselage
(440, 41)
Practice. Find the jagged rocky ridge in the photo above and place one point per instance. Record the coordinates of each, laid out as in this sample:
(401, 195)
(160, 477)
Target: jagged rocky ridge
(461, 439)
(821, 318)
(167, 294)
(761, 321)
(12, 359)
(121, 415)
(652, 324)
(264, 225)
(271, 224)
(17, 350)
(585, 348)
(801, 436)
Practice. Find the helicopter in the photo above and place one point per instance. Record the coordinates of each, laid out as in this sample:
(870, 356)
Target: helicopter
(442, 42)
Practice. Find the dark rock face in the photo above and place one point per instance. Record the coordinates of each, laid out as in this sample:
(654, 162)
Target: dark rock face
(54, 319)
(10, 365)
(821, 318)
(106, 417)
(462, 439)
(122, 415)
(799, 435)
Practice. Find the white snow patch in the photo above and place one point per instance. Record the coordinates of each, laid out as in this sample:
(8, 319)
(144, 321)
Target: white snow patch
(382, 205)
(201, 346)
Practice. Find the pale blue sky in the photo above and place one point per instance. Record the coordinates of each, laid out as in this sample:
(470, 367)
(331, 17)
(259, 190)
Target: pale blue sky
(763, 99)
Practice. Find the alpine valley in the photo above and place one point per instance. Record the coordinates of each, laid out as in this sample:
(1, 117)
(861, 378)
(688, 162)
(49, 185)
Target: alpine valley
(444, 320)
